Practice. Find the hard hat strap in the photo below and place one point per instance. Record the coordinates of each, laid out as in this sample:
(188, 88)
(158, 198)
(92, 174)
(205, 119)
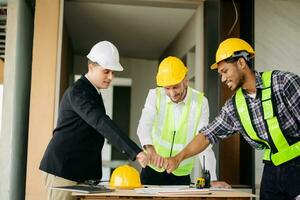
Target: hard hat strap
(238, 54)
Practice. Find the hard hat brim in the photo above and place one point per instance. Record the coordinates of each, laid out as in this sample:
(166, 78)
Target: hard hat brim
(117, 67)
(214, 66)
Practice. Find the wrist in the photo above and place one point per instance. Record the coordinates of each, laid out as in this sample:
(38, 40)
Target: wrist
(179, 158)
(149, 148)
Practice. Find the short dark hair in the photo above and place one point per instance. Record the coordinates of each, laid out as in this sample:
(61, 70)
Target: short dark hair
(91, 62)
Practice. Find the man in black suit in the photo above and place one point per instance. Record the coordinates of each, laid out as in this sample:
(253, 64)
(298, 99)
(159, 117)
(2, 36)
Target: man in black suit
(74, 152)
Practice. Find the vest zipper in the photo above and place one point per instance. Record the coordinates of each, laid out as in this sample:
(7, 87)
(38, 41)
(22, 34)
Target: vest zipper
(174, 132)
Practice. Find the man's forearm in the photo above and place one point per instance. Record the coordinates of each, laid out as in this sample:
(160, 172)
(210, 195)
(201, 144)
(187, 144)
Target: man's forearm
(197, 145)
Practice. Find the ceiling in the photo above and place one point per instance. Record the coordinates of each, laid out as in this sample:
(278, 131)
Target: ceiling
(139, 28)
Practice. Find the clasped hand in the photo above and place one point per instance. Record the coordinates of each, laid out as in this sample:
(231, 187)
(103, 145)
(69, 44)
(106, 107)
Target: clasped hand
(151, 157)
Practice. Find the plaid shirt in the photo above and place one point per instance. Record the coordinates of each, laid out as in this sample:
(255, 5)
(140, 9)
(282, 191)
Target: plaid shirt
(286, 98)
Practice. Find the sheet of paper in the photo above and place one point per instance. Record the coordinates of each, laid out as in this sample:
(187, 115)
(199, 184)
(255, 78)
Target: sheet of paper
(153, 190)
(169, 189)
(220, 189)
(190, 191)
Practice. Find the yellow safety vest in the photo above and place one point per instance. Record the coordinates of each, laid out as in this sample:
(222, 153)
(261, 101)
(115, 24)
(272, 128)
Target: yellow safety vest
(168, 141)
(283, 152)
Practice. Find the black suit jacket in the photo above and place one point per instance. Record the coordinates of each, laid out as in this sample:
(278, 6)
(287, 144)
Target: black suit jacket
(74, 152)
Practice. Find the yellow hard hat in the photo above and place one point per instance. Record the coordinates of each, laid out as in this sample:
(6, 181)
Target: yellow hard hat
(125, 177)
(171, 71)
(228, 47)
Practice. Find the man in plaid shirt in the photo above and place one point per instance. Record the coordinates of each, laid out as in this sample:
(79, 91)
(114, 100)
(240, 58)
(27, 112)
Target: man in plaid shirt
(265, 110)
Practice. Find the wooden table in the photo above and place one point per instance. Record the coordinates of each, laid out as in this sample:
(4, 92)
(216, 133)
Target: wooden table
(130, 194)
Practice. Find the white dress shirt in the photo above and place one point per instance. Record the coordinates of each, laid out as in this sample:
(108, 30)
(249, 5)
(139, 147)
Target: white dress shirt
(145, 126)
(98, 90)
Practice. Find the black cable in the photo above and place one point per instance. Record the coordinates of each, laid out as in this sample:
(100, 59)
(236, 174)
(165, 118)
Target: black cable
(174, 132)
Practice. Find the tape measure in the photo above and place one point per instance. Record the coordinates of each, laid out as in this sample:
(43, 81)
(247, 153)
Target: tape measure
(200, 183)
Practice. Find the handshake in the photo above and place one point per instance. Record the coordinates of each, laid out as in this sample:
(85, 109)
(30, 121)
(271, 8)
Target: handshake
(151, 157)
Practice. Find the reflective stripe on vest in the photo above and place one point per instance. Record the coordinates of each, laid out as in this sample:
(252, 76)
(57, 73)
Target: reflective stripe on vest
(164, 136)
(284, 151)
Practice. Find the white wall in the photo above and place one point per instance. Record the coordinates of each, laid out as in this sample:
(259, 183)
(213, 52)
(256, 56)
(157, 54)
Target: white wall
(142, 73)
(277, 44)
(185, 40)
(277, 35)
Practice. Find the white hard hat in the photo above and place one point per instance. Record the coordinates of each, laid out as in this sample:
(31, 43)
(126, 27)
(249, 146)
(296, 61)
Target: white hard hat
(105, 54)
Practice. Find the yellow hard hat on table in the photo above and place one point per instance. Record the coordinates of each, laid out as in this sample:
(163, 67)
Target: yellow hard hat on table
(125, 177)
(171, 71)
(229, 47)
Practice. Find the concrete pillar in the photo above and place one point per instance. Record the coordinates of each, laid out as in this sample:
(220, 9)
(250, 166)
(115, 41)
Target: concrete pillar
(13, 135)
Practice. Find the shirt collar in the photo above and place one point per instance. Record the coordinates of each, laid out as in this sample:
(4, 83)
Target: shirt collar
(98, 90)
(168, 99)
(258, 80)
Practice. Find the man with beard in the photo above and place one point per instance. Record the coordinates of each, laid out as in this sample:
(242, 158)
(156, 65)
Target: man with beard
(172, 115)
(265, 110)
